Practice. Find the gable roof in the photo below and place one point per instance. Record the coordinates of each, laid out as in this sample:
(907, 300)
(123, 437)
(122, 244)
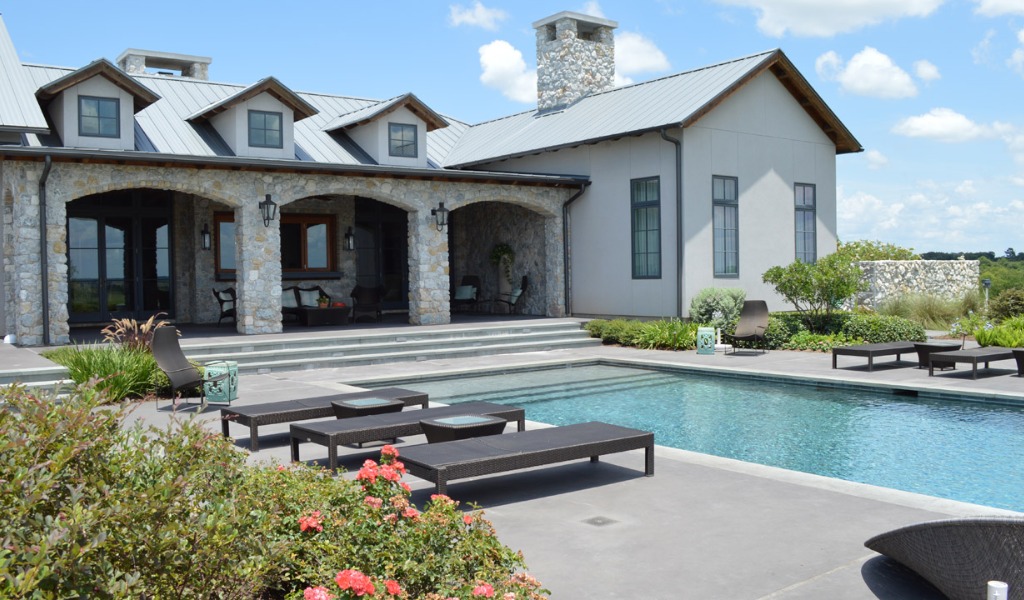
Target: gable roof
(376, 111)
(675, 101)
(102, 68)
(19, 109)
(270, 85)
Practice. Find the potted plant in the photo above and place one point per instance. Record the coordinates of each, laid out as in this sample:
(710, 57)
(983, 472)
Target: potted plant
(323, 301)
(502, 256)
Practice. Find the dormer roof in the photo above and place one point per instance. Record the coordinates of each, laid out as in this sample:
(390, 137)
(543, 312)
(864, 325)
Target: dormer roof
(376, 111)
(270, 85)
(102, 68)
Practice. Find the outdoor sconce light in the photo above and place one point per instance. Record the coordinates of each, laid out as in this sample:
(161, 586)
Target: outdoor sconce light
(440, 215)
(986, 283)
(269, 209)
(350, 240)
(205, 236)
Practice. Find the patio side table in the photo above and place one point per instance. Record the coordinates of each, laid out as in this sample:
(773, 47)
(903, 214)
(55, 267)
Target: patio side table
(925, 350)
(360, 407)
(461, 427)
(328, 315)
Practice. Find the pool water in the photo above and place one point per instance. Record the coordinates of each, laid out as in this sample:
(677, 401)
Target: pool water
(966, 451)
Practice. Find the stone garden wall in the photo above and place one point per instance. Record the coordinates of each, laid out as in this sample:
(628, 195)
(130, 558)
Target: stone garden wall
(950, 279)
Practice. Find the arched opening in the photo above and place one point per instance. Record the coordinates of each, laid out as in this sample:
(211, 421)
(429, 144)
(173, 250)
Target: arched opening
(382, 251)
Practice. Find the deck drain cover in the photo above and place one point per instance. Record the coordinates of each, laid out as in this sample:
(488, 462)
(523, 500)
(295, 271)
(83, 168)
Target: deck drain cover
(599, 521)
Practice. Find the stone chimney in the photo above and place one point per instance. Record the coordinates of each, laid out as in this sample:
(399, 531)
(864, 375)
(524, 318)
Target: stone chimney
(135, 62)
(575, 58)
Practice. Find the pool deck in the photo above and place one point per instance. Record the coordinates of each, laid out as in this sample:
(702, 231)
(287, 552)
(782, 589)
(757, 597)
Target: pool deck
(703, 527)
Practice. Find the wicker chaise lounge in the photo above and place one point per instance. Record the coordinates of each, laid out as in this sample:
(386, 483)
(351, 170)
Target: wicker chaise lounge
(304, 409)
(1018, 353)
(972, 356)
(446, 461)
(959, 556)
(387, 426)
(872, 350)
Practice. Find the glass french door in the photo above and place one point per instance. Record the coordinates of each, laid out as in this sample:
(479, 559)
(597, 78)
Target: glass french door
(119, 265)
(382, 251)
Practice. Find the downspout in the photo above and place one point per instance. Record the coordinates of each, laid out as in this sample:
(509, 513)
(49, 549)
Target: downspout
(44, 261)
(565, 247)
(679, 219)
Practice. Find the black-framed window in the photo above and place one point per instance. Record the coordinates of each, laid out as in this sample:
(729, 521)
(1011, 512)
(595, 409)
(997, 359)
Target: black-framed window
(307, 243)
(99, 117)
(645, 208)
(266, 129)
(806, 216)
(726, 218)
(402, 140)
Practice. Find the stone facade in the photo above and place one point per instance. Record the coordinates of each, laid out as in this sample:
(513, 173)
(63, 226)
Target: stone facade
(575, 58)
(199, 193)
(886, 279)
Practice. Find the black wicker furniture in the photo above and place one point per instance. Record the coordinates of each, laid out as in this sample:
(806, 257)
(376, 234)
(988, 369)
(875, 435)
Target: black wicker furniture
(304, 409)
(361, 407)
(182, 374)
(1018, 353)
(227, 301)
(959, 556)
(314, 316)
(752, 325)
(461, 427)
(446, 461)
(925, 350)
(986, 355)
(870, 351)
(372, 428)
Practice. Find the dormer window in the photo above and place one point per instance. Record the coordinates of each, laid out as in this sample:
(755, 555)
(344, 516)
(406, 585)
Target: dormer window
(402, 140)
(265, 129)
(99, 117)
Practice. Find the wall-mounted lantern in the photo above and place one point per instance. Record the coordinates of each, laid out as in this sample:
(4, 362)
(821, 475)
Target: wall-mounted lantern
(440, 215)
(207, 239)
(350, 240)
(269, 210)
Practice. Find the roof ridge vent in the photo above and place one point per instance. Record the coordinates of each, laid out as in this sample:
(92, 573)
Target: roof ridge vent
(136, 62)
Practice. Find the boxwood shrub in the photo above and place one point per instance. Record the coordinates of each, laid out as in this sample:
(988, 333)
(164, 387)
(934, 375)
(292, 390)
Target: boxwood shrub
(873, 328)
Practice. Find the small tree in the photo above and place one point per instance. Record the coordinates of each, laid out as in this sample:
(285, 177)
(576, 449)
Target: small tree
(874, 250)
(817, 290)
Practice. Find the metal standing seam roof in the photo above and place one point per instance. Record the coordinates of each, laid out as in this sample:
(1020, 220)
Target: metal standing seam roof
(672, 101)
(364, 115)
(19, 110)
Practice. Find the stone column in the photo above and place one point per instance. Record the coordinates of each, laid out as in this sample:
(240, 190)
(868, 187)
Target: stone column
(554, 265)
(429, 297)
(258, 272)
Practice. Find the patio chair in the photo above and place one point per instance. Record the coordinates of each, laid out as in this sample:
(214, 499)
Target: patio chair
(227, 300)
(959, 556)
(752, 324)
(172, 361)
(467, 294)
(512, 298)
(367, 302)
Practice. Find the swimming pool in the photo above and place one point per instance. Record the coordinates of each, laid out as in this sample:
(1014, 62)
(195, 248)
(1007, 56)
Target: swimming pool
(966, 451)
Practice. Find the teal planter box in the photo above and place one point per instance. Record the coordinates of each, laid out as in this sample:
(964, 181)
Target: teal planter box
(224, 390)
(705, 340)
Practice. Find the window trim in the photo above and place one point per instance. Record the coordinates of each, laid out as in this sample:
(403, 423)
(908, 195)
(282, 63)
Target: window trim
(250, 128)
(300, 218)
(633, 206)
(117, 117)
(800, 210)
(734, 205)
(392, 127)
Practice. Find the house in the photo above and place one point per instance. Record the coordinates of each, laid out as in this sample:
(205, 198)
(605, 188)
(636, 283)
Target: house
(138, 188)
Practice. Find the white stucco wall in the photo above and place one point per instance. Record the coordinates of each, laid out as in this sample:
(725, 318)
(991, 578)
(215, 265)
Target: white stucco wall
(64, 113)
(233, 127)
(373, 139)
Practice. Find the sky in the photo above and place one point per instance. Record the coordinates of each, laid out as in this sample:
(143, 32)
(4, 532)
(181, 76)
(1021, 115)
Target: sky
(932, 89)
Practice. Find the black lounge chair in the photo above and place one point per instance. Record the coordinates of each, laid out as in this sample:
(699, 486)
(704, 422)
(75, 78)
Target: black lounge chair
(511, 299)
(358, 430)
(367, 302)
(872, 350)
(467, 294)
(959, 556)
(172, 361)
(1018, 353)
(973, 356)
(445, 461)
(752, 324)
(304, 409)
(228, 302)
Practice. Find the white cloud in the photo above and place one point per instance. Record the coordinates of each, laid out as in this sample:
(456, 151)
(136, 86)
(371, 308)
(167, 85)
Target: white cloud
(861, 214)
(505, 70)
(947, 125)
(982, 52)
(814, 18)
(1016, 60)
(876, 160)
(966, 188)
(926, 71)
(635, 55)
(996, 8)
(477, 16)
(869, 73)
(593, 9)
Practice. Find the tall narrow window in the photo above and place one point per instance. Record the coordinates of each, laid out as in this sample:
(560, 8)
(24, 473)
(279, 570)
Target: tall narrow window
(99, 117)
(265, 129)
(402, 140)
(806, 241)
(645, 203)
(725, 213)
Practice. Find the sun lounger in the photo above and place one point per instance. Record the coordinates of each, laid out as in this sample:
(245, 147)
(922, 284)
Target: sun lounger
(305, 409)
(972, 357)
(446, 461)
(959, 556)
(386, 426)
(1018, 353)
(873, 350)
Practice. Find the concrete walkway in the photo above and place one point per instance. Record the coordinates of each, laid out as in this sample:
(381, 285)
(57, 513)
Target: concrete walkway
(703, 527)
